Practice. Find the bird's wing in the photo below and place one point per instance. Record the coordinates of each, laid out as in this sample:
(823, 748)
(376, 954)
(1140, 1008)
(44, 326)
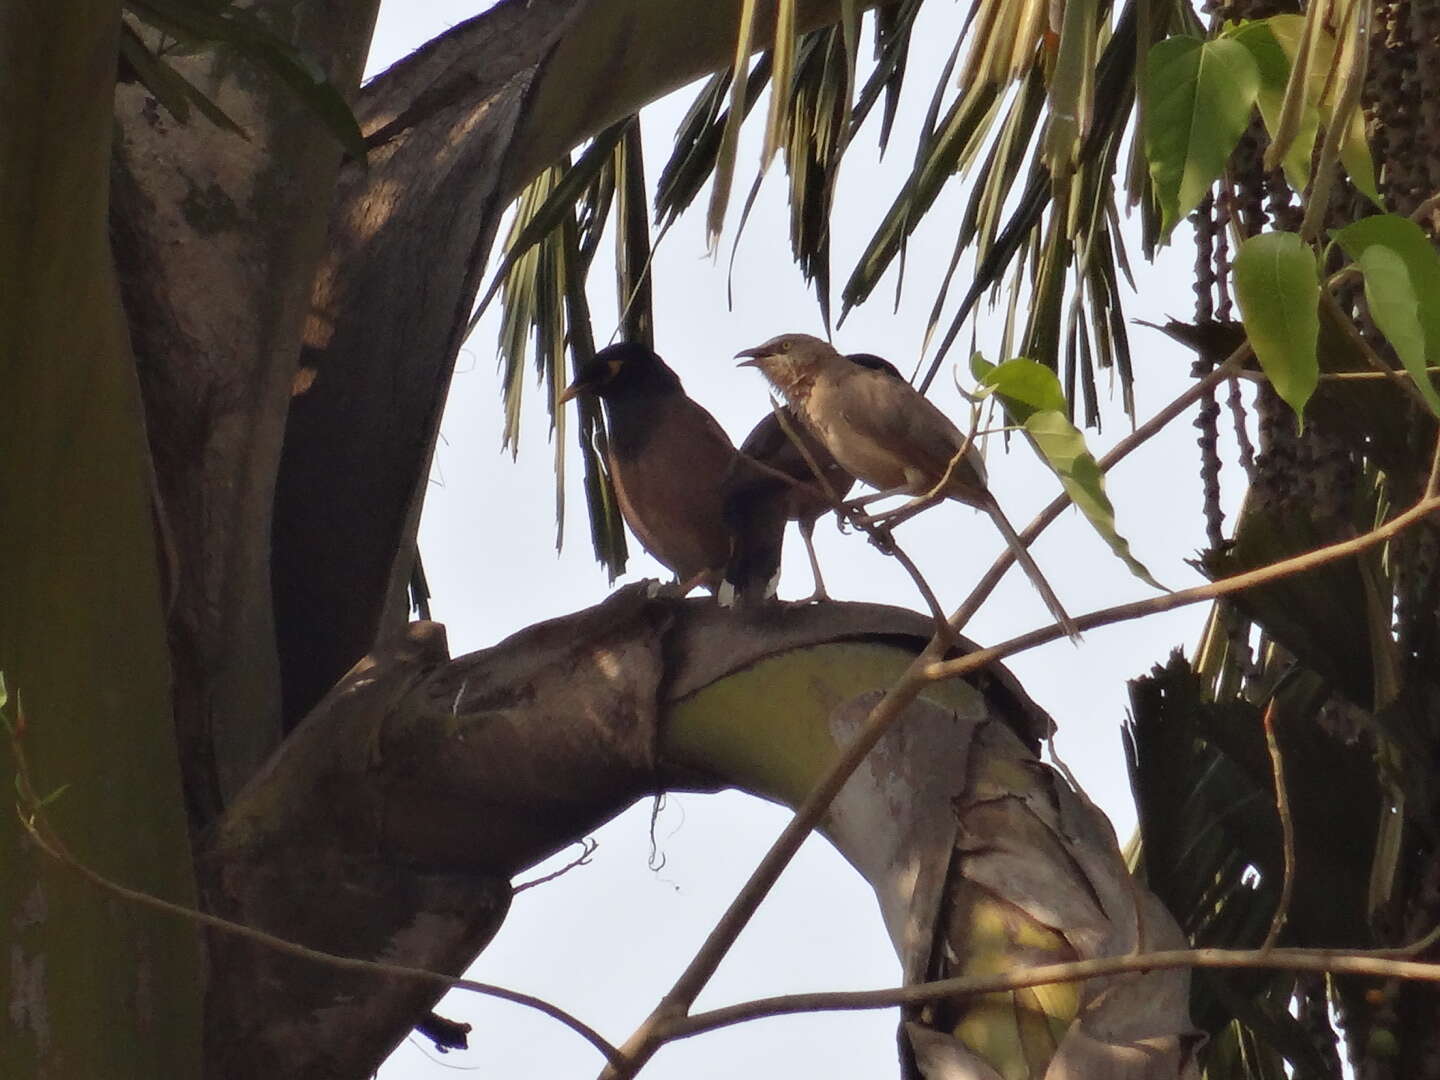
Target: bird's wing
(765, 440)
(893, 414)
(670, 488)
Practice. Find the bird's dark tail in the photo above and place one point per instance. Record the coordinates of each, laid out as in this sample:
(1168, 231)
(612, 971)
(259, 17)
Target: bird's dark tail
(1032, 571)
(755, 515)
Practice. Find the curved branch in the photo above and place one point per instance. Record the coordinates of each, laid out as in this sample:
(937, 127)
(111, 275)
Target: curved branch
(391, 821)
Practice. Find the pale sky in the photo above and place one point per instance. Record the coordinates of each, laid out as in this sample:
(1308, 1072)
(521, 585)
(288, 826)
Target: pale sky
(606, 940)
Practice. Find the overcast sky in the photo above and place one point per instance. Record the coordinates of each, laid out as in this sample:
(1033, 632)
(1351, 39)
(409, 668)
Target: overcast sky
(606, 940)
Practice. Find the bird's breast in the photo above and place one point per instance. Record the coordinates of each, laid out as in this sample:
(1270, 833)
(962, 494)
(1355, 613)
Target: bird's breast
(668, 482)
(849, 436)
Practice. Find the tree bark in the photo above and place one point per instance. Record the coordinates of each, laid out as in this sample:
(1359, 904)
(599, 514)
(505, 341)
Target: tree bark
(217, 240)
(82, 634)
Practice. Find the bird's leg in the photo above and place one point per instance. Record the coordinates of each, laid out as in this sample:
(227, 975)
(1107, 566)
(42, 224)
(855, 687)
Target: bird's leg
(854, 506)
(904, 513)
(678, 590)
(924, 499)
(807, 533)
(890, 518)
(873, 497)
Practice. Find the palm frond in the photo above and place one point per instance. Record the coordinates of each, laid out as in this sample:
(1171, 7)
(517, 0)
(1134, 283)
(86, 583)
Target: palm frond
(1037, 120)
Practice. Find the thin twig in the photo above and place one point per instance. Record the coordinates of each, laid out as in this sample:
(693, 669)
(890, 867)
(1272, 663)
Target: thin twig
(1336, 961)
(1357, 341)
(48, 841)
(1345, 376)
(1310, 560)
(588, 847)
(1287, 831)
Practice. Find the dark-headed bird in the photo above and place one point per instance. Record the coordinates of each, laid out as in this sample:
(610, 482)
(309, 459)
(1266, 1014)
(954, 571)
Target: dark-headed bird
(668, 459)
(883, 431)
(758, 504)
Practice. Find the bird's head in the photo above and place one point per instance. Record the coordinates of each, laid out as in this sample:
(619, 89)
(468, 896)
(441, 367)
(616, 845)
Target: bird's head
(790, 361)
(616, 369)
(787, 350)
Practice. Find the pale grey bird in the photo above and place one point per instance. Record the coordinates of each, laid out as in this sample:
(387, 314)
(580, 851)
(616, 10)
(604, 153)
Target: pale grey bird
(883, 431)
(758, 503)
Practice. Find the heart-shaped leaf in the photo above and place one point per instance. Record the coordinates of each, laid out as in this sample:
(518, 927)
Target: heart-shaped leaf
(1279, 290)
(1198, 97)
(1402, 290)
(1033, 398)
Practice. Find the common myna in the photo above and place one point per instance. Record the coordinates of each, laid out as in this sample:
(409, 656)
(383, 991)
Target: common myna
(668, 458)
(758, 504)
(883, 431)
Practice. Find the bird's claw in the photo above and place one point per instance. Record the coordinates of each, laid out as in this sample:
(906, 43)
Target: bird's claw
(669, 590)
(881, 537)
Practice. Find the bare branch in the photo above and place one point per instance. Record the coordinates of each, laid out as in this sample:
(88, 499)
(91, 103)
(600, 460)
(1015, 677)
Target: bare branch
(972, 662)
(1287, 831)
(1377, 963)
(588, 847)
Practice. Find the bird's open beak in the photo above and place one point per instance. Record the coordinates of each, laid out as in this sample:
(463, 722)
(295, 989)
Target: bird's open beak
(755, 354)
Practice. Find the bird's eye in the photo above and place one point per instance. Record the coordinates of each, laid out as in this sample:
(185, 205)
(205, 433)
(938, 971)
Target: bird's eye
(784, 346)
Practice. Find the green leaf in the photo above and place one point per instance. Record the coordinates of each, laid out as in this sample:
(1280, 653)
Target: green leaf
(1395, 308)
(1032, 397)
(1274, 44)
(1274, 61)
(1025, 386)
(1355, 156)
(1402, 289)
(1198, 100)
(1278, 290)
